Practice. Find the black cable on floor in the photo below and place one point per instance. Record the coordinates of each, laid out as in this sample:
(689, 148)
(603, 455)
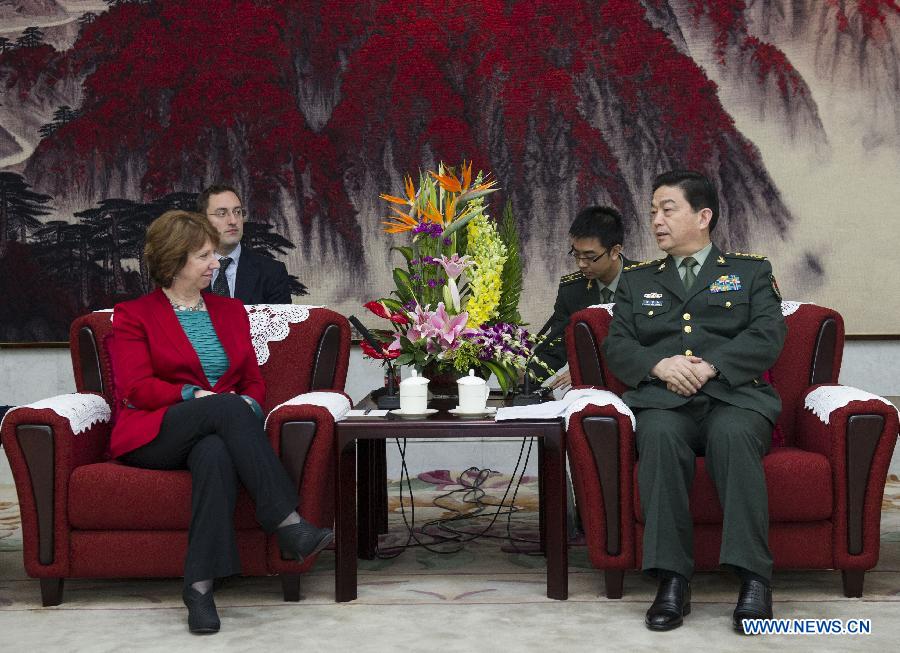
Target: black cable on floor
(473, 493)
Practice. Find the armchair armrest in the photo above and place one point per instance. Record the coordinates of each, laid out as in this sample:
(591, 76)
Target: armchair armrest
(45, 442)
(857, 432)
(301, 431)
(600, 442)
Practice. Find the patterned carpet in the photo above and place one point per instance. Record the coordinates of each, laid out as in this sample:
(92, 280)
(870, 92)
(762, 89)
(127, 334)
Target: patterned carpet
(492, 586)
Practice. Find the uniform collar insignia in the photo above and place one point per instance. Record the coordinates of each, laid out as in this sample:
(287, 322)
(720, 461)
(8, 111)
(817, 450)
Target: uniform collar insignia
(721, 260)
(661, 267)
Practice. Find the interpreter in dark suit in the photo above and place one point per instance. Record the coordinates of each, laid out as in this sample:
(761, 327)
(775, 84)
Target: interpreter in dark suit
(692, 334)
(190, 397)
(595, 243)
(245, 275)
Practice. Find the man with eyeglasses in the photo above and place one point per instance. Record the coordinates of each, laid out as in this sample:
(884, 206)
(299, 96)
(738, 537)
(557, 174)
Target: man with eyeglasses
(595, 240)
(692, 336)
(242, 274)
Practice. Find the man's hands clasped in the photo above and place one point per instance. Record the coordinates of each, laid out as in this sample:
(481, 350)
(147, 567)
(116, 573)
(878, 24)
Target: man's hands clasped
(683, 375)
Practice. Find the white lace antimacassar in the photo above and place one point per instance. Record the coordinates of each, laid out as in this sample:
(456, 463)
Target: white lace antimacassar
(827, 399)
(336, 403)
(600, 398)
(81, 410)
(606, 307)
(789, 308)
(272, 323)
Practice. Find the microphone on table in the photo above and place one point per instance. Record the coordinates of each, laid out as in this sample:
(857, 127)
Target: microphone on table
(526, 397)
(386, 398)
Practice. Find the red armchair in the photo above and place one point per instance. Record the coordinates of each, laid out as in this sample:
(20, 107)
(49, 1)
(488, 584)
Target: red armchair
(825, 473)
(84, 516)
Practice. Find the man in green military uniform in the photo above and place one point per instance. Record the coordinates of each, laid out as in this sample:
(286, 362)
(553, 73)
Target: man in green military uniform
(595, 239)
(692, 335)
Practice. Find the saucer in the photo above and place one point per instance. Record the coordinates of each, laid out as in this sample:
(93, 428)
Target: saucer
(399, 413)
(488, 410)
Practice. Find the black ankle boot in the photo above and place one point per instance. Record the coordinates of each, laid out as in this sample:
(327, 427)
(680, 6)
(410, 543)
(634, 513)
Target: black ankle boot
(202, 616)
(299, 541)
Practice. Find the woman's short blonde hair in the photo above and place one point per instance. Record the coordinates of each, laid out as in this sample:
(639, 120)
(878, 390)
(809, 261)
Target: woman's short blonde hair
(170, 238)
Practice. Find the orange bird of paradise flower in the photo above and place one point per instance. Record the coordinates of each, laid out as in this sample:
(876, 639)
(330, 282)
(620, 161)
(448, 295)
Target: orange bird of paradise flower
(453, 184)
(401, 222)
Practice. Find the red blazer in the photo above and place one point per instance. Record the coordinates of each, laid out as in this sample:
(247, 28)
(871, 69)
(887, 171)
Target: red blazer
(153, 359)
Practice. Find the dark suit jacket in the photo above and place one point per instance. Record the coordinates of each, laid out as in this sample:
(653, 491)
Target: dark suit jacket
(153, 359)
(261, 280)
(739, 331)
(575, 293)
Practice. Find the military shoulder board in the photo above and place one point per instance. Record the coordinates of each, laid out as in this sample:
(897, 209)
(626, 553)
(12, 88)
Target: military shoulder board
(566, 279)
(744, 255)
(642, 264)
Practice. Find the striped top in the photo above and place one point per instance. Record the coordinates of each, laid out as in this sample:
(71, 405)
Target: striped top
(199, 330)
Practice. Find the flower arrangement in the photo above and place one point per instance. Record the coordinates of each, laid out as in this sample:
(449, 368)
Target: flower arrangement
(455, 301)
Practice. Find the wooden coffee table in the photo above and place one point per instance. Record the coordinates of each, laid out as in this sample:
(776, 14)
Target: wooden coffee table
(357, 533)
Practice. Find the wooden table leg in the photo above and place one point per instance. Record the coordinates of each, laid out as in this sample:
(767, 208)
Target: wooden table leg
(345, 541)
(542, 502)
(380, 483)
(557, 541)
(367, 499)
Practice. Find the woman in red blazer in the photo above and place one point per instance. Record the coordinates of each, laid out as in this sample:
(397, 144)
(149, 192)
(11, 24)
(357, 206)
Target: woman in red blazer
(189, 395)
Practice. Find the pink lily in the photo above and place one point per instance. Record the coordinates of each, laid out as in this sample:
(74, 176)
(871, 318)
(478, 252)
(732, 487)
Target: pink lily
(448, 330)
(454, 265)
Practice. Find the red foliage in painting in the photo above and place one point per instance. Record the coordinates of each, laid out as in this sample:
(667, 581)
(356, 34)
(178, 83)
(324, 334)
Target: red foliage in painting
(305, 99)
(727, 16)
(22, 67)
(872, 13)
(770, 60)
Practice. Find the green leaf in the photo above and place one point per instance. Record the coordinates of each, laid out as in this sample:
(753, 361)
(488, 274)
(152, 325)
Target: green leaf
(456, 225)
(511, 276)
(403, 359)
(474, 195)
(393, 305)
(403, 284)
(501, 374)
(406, 251)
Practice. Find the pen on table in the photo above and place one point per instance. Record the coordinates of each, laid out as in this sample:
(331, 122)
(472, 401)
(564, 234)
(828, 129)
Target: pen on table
(368, 410)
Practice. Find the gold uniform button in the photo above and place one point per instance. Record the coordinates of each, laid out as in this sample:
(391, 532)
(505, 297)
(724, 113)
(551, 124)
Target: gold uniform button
(687, 329)
(727, 304)
(688, 352)
(649, 312)
(686, 316)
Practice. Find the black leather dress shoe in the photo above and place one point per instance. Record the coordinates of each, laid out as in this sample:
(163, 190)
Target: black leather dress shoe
(671, 605)
(202, 616)
(299, 541)
(754, 602)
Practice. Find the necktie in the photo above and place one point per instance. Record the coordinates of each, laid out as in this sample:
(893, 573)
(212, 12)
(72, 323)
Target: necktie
(689, 276)
(607, 295)
(220, 287)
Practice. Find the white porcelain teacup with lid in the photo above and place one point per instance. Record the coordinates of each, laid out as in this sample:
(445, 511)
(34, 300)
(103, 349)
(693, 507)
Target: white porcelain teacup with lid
(473, 393)
(414, 394)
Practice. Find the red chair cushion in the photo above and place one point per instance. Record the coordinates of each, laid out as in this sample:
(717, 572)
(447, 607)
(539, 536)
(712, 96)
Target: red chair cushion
(115, 496)
(801, 479)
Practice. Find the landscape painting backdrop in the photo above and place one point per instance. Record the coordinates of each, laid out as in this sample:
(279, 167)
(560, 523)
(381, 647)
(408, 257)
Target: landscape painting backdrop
(112, 112)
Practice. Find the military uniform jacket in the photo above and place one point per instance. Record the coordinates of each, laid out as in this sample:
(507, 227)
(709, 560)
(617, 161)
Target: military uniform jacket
(731, 317)
(575, 293)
